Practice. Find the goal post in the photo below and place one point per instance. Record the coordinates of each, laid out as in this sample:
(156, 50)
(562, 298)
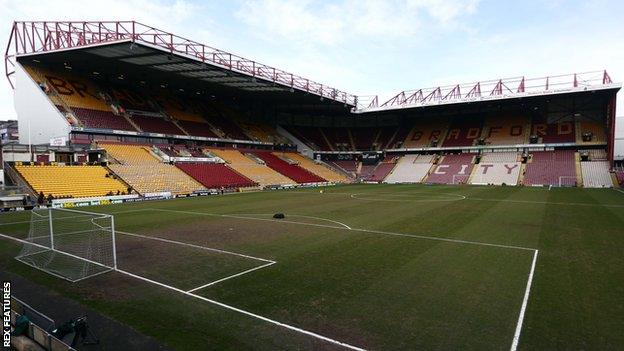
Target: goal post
(70, 244)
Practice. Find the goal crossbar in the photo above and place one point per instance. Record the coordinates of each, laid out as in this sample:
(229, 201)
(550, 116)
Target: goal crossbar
(70, 244)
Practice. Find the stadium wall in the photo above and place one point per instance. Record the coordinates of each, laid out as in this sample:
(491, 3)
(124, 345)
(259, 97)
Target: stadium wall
(618, 154)
(38, 119)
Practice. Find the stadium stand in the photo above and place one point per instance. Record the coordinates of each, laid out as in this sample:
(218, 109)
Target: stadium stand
(338, 138)
(591, 131)
(156, 125)
(364, 138)
(310, 136)
(215, 175)
(226, 126)
(261, 132)
(257, 172)
(197, 129)
(292, 171)
(385, 138)
(620, 177)
(556, 132)
(382, 169)
(497, 168)
(320, 170)
(101, 119)
(595, 169)
(145, 173)
(349, 167)
(71, 181)
(555, 168)
(79, 97)
(410, 169)
(463, 131)
(366, 171)
(506, 130)
(452, 169)
(427, 133)
(596, 174)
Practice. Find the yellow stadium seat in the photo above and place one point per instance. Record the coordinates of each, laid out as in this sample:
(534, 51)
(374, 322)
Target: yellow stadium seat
(146, 174)
(259, 173)
(313, 167)
(70, 181)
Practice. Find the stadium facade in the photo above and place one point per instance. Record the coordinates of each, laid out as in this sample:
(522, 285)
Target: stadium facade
(149, 113)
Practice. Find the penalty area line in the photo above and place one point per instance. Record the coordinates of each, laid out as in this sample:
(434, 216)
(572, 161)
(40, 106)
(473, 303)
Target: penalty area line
(232, 276)
(220, 304)
(525, 301)
(194, 246)
(247, 313)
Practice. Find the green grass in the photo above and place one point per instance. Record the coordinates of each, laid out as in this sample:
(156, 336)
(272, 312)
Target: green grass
(371, 289)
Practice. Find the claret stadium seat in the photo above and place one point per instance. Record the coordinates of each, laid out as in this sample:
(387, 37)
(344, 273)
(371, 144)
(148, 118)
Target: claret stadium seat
(316, 168)
(292, 171)
(452, 169)
(215, 175)
(257, 172)
(551, 168)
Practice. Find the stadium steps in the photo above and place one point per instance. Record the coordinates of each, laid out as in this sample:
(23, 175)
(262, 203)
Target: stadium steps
(521, 176)
(578, 132)
(17, 179)
(132, 123)
(292, 171)
(250, 168)
(331, 147)
(351, 140)
(473, 173)
(320, 169)
(376, 140)
(175, 121)
(614, 180)
(579, 172)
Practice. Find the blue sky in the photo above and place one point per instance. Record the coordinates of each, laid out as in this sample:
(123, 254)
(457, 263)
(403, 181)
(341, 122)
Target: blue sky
(371, 47)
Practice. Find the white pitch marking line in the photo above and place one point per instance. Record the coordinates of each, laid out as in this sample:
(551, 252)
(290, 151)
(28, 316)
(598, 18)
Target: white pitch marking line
(516, 339)
(195, 246)
(252, 218)
(250, 314)
(618, 190)
(458, 198)
(296, 215)
(232, 276)
(357, 230)
(232, 308)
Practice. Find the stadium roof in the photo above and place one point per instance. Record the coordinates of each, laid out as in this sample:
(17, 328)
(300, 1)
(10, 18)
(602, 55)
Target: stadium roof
(144, 46)
(160, 50)
(491, 90)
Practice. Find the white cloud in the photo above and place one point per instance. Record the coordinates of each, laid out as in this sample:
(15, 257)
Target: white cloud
(350, 21)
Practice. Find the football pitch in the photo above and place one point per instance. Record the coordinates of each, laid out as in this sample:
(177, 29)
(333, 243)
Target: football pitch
(377, 267)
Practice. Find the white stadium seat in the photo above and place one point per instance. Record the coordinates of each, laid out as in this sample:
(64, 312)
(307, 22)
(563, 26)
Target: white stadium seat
(596, 174)
(410, 169)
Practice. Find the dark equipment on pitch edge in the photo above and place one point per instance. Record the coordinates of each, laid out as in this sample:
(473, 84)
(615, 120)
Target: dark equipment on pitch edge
(80, 328)
(279, 216)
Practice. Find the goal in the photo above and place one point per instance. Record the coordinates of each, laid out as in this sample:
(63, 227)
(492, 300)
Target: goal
(70, 244)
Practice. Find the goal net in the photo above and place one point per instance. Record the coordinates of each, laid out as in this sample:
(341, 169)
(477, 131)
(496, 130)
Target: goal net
(70, 244)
